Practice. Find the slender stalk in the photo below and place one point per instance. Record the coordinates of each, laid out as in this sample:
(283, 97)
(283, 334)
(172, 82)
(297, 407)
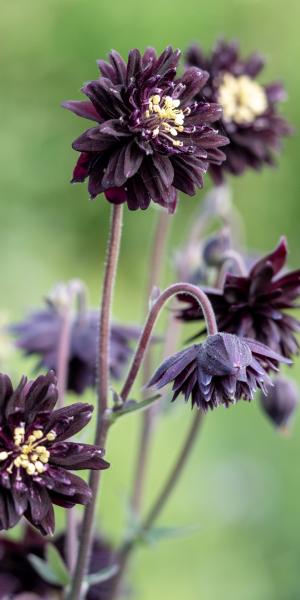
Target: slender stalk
(160, 502)
(175, 472)
(102, 396)
(62, 381)
(148, 418)
(204, 302)
(172, 290)
(63, 354)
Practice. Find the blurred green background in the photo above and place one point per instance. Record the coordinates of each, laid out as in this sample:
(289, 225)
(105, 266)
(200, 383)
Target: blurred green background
(242, 485)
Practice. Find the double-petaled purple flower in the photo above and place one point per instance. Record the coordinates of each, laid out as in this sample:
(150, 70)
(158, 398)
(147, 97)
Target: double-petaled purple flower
(151, 136)
(250, 110)
(35, 458)
(39, 335)
(222, 370)
(256, 305)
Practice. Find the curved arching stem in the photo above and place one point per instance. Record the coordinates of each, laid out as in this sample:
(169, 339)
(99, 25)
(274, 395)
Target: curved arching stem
(172, 290)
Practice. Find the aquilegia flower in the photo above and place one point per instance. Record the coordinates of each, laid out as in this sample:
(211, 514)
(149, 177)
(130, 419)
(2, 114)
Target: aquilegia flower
(151, 137)
(281, 401)
(40, 333)
(35, 457)
(18, 577)
(255, 305)
(222, 370)
(250, 110)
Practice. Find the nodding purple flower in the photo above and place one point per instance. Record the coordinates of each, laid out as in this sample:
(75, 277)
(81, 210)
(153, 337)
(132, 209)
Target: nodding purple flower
(35, 458)
(255, 305)
(39, 335)
(17, 576)
(281, 401)
(222, 370)
(151, 137)
(250, 118)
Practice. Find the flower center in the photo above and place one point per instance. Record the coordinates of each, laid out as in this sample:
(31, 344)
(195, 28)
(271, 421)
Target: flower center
(242, 99)
(31, 456)
(165, 117)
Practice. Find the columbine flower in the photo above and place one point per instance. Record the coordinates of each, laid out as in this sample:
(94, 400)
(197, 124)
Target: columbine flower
(250, 110)
(151, 138)
(281, 402)
(254, 306)
(35, 457)
(17, 576)
(40, 333)
(222, 370)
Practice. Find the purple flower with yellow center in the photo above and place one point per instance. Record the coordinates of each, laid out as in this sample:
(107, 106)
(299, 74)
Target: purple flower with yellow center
(222, 370)
(39, 334)
(35, 458)
(152, 137)
(256, 305)
(250, 110)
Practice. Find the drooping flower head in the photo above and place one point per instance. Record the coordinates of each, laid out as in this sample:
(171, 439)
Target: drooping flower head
(18, 577)
(250, 110)
(256, 305)
(151, 136)
(222, 370)
(281, 402)
(35, 458)
(39, 335)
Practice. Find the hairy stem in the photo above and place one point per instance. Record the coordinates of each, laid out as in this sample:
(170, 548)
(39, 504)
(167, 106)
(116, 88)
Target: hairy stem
(102, 396)
(172, 290)
(148, 418)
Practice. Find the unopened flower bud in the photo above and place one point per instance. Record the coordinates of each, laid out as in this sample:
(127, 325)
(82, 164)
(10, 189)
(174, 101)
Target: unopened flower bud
(281, 401)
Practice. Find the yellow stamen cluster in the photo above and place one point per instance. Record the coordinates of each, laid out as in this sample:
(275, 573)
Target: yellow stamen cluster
(33, 457)
(171, 117)
(242, 99)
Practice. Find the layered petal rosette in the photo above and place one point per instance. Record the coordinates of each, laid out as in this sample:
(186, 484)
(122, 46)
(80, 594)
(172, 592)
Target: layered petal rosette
(250, 118)
(36, 459)
(39, 334)
(221, 371)
(151, 137)
(257, 305)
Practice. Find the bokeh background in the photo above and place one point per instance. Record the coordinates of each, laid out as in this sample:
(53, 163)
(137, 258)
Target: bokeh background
(241, 488)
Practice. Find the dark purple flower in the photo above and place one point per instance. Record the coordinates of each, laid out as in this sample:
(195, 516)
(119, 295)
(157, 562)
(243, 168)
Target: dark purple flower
(151, 138)
(222, 370)
(17, 576)
(255, 305)
(40, 333)
(281, 401)
(35, 457)
(250, 110)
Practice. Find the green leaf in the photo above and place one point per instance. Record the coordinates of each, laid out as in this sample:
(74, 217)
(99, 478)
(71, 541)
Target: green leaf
(57, 565)
(43, 569)
(157, 534)
(132, 406)
(101, 576)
